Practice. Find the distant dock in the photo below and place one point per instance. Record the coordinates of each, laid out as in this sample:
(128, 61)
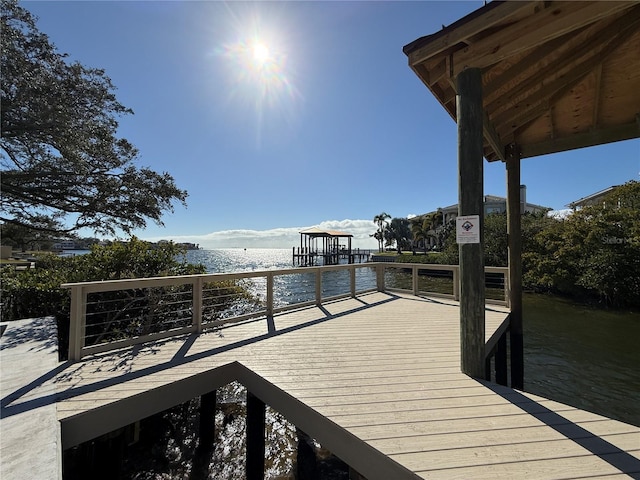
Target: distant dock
(322, 247)
(306, 257)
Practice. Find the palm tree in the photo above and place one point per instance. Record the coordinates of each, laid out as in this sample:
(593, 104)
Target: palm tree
(381, 220)
(424, 227)
(398, 232)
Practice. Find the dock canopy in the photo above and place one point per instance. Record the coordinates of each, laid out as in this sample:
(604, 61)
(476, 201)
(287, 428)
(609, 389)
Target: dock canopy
(315, 232)
(555, 75)
(329, 252)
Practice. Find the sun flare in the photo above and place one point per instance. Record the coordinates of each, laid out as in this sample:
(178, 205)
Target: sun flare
(260, 53)
(261, 73)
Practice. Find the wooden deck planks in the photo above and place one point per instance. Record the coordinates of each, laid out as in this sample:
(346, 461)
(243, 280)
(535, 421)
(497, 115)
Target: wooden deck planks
(385, 369)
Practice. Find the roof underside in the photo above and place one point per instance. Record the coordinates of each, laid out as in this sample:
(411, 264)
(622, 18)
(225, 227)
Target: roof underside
(317, 232)
(556, 75)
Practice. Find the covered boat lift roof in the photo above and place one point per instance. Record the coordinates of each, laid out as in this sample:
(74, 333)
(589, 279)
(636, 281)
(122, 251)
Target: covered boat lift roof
(315, 232)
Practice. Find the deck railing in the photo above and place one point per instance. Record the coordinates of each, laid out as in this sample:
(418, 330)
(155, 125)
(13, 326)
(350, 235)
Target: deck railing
(112, 314)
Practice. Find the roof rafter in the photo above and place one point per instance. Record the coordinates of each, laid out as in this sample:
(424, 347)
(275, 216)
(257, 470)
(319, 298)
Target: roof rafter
(601, 42)
(547, 94)
(441, 41)
(597, 137)
(557, 19)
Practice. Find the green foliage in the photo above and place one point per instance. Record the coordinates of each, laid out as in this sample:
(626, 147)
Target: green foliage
(450, 251)
(63, 166)
(431, 257)
(594, 253)
(495, 240)
(399, 233)
(33, 292)
(36, 292)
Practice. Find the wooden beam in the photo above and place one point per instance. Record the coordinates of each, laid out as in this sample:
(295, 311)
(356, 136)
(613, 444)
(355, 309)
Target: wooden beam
(495, 83)
(492, 137)
(558, 19)
(95, 422)
(585, 139)
(596, 97)
(462, 30)
(514, 239)
(470, 193)
(437, 72)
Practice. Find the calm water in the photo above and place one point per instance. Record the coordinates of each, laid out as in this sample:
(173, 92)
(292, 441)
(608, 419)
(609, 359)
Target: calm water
(583, 357)
(573, 354)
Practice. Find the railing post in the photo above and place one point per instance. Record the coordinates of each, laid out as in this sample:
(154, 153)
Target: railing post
(380, 277)
(196, 294)
(414, 279)
(352, 275)
(269, 295)
(456, 283)
(78, 318)
(507, 287)
(318, 286)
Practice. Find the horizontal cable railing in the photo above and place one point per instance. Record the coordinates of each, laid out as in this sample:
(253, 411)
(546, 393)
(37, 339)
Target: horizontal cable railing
(113, 314)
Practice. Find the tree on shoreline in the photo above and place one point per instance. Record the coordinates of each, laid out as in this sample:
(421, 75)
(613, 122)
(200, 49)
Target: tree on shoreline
(594, 252)
(382, 220)
(63, 166)
(399, 232)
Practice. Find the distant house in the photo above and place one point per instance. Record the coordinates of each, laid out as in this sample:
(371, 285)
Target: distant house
(492, 204)
(64, 245)
(593, 199)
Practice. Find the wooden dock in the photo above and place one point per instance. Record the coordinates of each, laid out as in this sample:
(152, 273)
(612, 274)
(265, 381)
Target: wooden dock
(375, 379)
(307, 257)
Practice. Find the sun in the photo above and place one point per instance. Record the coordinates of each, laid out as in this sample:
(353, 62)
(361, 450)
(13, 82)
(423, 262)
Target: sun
(260, 53)
(261, 74)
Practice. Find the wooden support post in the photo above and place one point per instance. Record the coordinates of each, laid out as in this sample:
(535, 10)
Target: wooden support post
(501, 360)
(255, 437)
(207, 418)
(514, 233)
(471, 196)
(206, 441)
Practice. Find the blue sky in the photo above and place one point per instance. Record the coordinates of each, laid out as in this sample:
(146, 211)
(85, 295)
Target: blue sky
(323, 124)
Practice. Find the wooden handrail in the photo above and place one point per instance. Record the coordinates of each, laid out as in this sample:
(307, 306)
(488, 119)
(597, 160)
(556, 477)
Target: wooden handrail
(80, 291)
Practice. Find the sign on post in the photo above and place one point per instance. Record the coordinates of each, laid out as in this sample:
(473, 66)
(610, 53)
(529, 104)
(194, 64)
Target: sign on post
(468, 229)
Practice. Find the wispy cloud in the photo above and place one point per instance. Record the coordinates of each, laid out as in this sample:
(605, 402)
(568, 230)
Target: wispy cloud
(276, 237)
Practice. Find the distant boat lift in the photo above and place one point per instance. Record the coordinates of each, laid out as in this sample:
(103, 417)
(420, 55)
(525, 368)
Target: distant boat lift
(323, 247)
